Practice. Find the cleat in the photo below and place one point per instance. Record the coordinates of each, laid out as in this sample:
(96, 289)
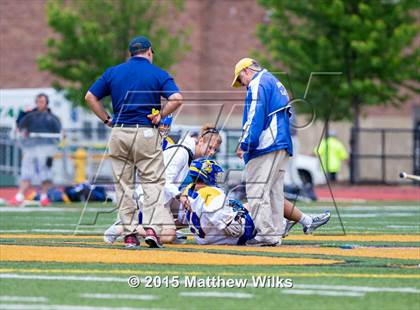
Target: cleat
(45, 202)
(15, 202)
(288, 228)
(263, 243)
(180, 238)
(152, 239)
(112, 233)
(131, 242)
(317, 221)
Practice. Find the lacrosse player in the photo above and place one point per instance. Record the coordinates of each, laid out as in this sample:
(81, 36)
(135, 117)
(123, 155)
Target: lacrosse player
(212, 218)
(215, 219)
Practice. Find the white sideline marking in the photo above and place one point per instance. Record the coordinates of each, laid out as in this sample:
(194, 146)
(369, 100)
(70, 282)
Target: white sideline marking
(216, 294)
(66, 307)
(72, 225)
(37, 209)
(390, 214)
(367, 209)
(297, 287)
(51, 209)
(402, 227)
(23, 299)
(355, 228)
(362, 289)
(119, 296)
(55, 224)
(65, 231)
(68, 278)
(323, 293)
(359, 215)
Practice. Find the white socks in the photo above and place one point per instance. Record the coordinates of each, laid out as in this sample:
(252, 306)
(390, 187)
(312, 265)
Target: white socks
(305, 220)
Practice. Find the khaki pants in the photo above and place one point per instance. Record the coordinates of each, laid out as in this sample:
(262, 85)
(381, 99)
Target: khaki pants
(141, 148)
(265, 194)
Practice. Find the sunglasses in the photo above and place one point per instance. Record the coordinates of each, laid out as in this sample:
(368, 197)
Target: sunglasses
(210, 130)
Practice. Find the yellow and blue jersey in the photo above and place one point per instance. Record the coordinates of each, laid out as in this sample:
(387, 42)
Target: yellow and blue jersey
(167, 141)
(210, 211)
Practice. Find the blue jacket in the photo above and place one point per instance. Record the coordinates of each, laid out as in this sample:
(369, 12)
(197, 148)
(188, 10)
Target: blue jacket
(266, 117)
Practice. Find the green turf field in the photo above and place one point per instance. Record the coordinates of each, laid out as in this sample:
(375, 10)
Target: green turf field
(48, 261)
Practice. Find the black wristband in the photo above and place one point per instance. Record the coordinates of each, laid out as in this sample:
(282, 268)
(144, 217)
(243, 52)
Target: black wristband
(107, 119)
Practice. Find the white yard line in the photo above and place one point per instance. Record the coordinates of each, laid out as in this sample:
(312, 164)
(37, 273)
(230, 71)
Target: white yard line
(70, 225)
(68, 278)
(385, 214)
(120, 296)
(23, 299)
(66, 307)
(358, 215)
(61, 278)
(349, 209)
(38, 209)
(52, 209)
(363, 289)
(216, 294)
(403, 227)
(63, 231)
(56, 224)
(323, 293)
(321, 289)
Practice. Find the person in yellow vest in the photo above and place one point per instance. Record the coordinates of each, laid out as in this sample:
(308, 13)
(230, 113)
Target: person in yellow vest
(332, 152)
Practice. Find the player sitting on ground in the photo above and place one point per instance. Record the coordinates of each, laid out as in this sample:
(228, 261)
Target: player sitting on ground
(292, 215)
(220, 220)
(212, 218)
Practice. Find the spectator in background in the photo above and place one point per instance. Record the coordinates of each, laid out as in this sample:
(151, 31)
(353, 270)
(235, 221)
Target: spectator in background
(332, 152)
(40, 130)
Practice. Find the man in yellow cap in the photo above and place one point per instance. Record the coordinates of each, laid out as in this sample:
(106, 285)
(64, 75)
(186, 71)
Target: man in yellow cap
(265, 146)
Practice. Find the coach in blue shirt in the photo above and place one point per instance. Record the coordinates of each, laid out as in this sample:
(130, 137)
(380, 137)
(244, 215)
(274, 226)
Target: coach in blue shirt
(265, 146)
(136, 88)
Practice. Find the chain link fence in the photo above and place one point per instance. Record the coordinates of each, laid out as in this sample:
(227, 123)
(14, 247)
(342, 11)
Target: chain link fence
(381, 154)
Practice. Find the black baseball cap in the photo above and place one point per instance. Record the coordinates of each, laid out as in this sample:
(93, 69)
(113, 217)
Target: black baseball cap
(138, 44)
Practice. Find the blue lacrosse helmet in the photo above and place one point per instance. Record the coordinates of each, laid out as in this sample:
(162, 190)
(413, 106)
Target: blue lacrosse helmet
(206, 170)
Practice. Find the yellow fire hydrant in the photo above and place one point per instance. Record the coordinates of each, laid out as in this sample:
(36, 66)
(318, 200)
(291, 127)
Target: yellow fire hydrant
(80, 159)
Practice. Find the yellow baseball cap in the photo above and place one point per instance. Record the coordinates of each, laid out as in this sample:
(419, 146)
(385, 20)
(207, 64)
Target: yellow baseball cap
(240, 65)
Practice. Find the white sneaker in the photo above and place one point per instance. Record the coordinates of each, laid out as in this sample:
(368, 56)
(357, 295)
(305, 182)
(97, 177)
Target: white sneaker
(317, 221)
(113, 232)
(181, 238)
